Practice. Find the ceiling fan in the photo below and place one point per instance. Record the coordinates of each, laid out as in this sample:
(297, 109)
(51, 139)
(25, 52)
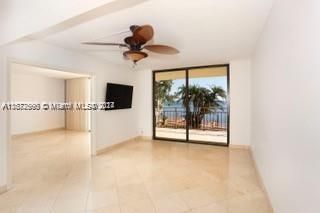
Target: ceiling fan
(138, 42)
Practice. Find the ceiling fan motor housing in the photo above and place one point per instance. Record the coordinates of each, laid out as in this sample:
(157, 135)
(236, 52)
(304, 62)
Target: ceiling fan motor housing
(134, 43)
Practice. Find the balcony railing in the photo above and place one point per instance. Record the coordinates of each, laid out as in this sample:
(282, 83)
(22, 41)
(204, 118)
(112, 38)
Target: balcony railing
(176, 117)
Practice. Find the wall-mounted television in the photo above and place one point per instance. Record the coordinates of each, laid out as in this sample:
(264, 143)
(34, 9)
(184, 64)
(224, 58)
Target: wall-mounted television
(120, 95)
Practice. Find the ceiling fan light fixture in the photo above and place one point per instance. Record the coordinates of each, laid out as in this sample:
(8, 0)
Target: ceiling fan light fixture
(135, 56)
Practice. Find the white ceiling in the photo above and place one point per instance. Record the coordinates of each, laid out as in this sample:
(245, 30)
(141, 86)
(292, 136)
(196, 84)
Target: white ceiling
(50, 73)
(205, 31)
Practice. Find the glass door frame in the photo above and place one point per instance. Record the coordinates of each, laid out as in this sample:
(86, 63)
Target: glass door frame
(186, 69)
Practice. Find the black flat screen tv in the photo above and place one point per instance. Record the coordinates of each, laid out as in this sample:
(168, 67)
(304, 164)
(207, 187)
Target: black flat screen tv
(119, 96)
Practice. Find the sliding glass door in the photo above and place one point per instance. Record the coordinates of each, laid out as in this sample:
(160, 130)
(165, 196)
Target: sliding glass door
(169, 111)
(208, 92)
(191, 105)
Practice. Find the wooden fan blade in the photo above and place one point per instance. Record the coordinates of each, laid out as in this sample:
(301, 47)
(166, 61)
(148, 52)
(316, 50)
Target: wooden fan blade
(143, 33)
(162, 49)
(105, 44)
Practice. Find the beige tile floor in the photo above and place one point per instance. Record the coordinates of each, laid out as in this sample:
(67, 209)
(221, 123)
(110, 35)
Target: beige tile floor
(53, 172)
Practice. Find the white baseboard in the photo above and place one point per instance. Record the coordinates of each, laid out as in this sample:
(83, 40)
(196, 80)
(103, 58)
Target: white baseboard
(37, 132)
(261, 183)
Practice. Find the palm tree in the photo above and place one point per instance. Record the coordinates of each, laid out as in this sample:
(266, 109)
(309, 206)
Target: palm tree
(218, 96)
(162, 96)
(201, 101)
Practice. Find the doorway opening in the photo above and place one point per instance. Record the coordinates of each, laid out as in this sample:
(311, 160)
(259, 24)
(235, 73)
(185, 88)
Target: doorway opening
(192, 105)
(45, 141)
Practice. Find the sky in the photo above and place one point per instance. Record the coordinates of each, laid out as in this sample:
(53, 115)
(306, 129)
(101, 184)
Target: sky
(204, 82)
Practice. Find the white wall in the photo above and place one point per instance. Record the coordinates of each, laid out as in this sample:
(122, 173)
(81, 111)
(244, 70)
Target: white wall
(286, 103)
(111, 127)
(144, 99)
(240, 120)
(240, 102)
(26, 86)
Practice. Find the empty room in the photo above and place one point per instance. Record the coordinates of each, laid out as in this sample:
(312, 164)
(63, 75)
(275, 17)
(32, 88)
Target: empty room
(159, 106)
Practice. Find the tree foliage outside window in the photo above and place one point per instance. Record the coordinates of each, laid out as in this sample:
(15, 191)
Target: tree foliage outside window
(162, 96)
(201, 101)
